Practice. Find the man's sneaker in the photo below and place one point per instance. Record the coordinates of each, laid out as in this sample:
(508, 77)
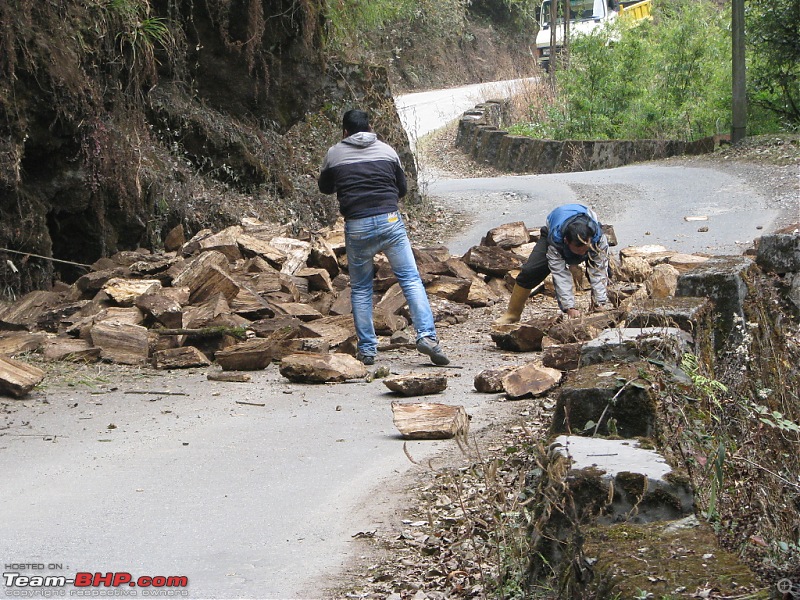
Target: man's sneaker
(431, 347)
(368, 360)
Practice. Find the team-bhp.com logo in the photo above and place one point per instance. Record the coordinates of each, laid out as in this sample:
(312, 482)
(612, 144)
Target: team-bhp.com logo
(93, 584)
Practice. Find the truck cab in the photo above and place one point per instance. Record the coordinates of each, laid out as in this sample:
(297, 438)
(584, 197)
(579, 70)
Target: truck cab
(585, 17)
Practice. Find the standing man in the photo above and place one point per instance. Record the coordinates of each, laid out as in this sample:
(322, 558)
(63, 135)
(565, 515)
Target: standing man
(368, 180)
(572, 236)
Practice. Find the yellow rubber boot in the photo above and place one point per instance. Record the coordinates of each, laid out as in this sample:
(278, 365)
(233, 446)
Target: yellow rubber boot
(519, 296)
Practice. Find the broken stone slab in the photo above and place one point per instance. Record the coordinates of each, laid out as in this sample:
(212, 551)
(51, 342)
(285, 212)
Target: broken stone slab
(429, 421)
(18, 378)
(121, 342)
(490, 381)
(24, 313)
(186, 357)
(70, 349)
(583, 329)
(531, 379)
(228, 376)
(508, 235)
(521, 337)
(491, 260)
(17, 342)
(125, 291)
(300, 344)
(451, 288)
(251, 355)
(251, 246)
(318, 278)
(640, 483)
(779, 253)
(296, 251)
(663, 281)
(617, 398)
(723, 279)
(631, 344)
(309, 367)
(163, 308)
(224, 241)
(481, 294)
(417, 384)
(564, 357)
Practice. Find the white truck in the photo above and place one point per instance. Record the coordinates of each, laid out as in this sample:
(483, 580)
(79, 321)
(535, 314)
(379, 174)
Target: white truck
(585, 17)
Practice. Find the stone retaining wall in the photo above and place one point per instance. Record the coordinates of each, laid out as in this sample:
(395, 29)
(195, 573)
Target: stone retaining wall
(479, 134)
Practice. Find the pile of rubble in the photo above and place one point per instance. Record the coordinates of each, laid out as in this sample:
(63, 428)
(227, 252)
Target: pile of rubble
(249, 295)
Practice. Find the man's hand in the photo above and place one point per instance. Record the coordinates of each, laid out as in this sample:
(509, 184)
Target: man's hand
(572, 313)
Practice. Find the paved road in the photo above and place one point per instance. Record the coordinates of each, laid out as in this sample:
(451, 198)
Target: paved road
(647, 204)
(424, 112)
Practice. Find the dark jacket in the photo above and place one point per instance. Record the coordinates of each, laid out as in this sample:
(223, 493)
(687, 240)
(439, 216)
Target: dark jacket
(366, 175)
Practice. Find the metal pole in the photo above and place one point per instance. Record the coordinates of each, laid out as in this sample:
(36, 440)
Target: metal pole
(739, 108)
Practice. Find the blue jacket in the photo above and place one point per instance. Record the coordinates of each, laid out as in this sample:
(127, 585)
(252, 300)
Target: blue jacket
(559, 255)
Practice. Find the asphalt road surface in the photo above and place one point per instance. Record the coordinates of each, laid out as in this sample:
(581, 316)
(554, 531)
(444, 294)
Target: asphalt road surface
(688, 209)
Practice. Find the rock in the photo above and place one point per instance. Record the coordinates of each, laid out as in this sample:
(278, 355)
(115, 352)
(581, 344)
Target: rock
(125, 291)
(174, 239)
(224, 241)
(521, 337)
(71, 349)
(180, 358)
(565, 357)
(685, 262)
(228, 376)
(24, 313)
(315, 368)
(121, 342)
(491, 260)
(662, 282)
(634, 269)
(490, 381)
(508, 235)
(531, 379)
(296, 251)
(251, 355)
(417, 384)
(17, 342)
(17, 378)
(430, 421)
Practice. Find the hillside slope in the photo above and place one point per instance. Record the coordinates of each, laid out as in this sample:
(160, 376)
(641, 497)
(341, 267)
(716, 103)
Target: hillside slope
(123, 119)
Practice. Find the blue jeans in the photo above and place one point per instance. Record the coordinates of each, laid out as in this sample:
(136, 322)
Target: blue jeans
(364, 238)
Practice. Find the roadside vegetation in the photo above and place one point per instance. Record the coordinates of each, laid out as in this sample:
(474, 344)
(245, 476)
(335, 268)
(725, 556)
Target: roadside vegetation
(670, 78)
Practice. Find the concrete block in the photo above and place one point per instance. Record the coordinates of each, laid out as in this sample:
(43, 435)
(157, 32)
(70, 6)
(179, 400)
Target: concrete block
(779, 253)
(723, 279)
(605, 394)
(692, 315)
(640, 484)
(631, 344)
